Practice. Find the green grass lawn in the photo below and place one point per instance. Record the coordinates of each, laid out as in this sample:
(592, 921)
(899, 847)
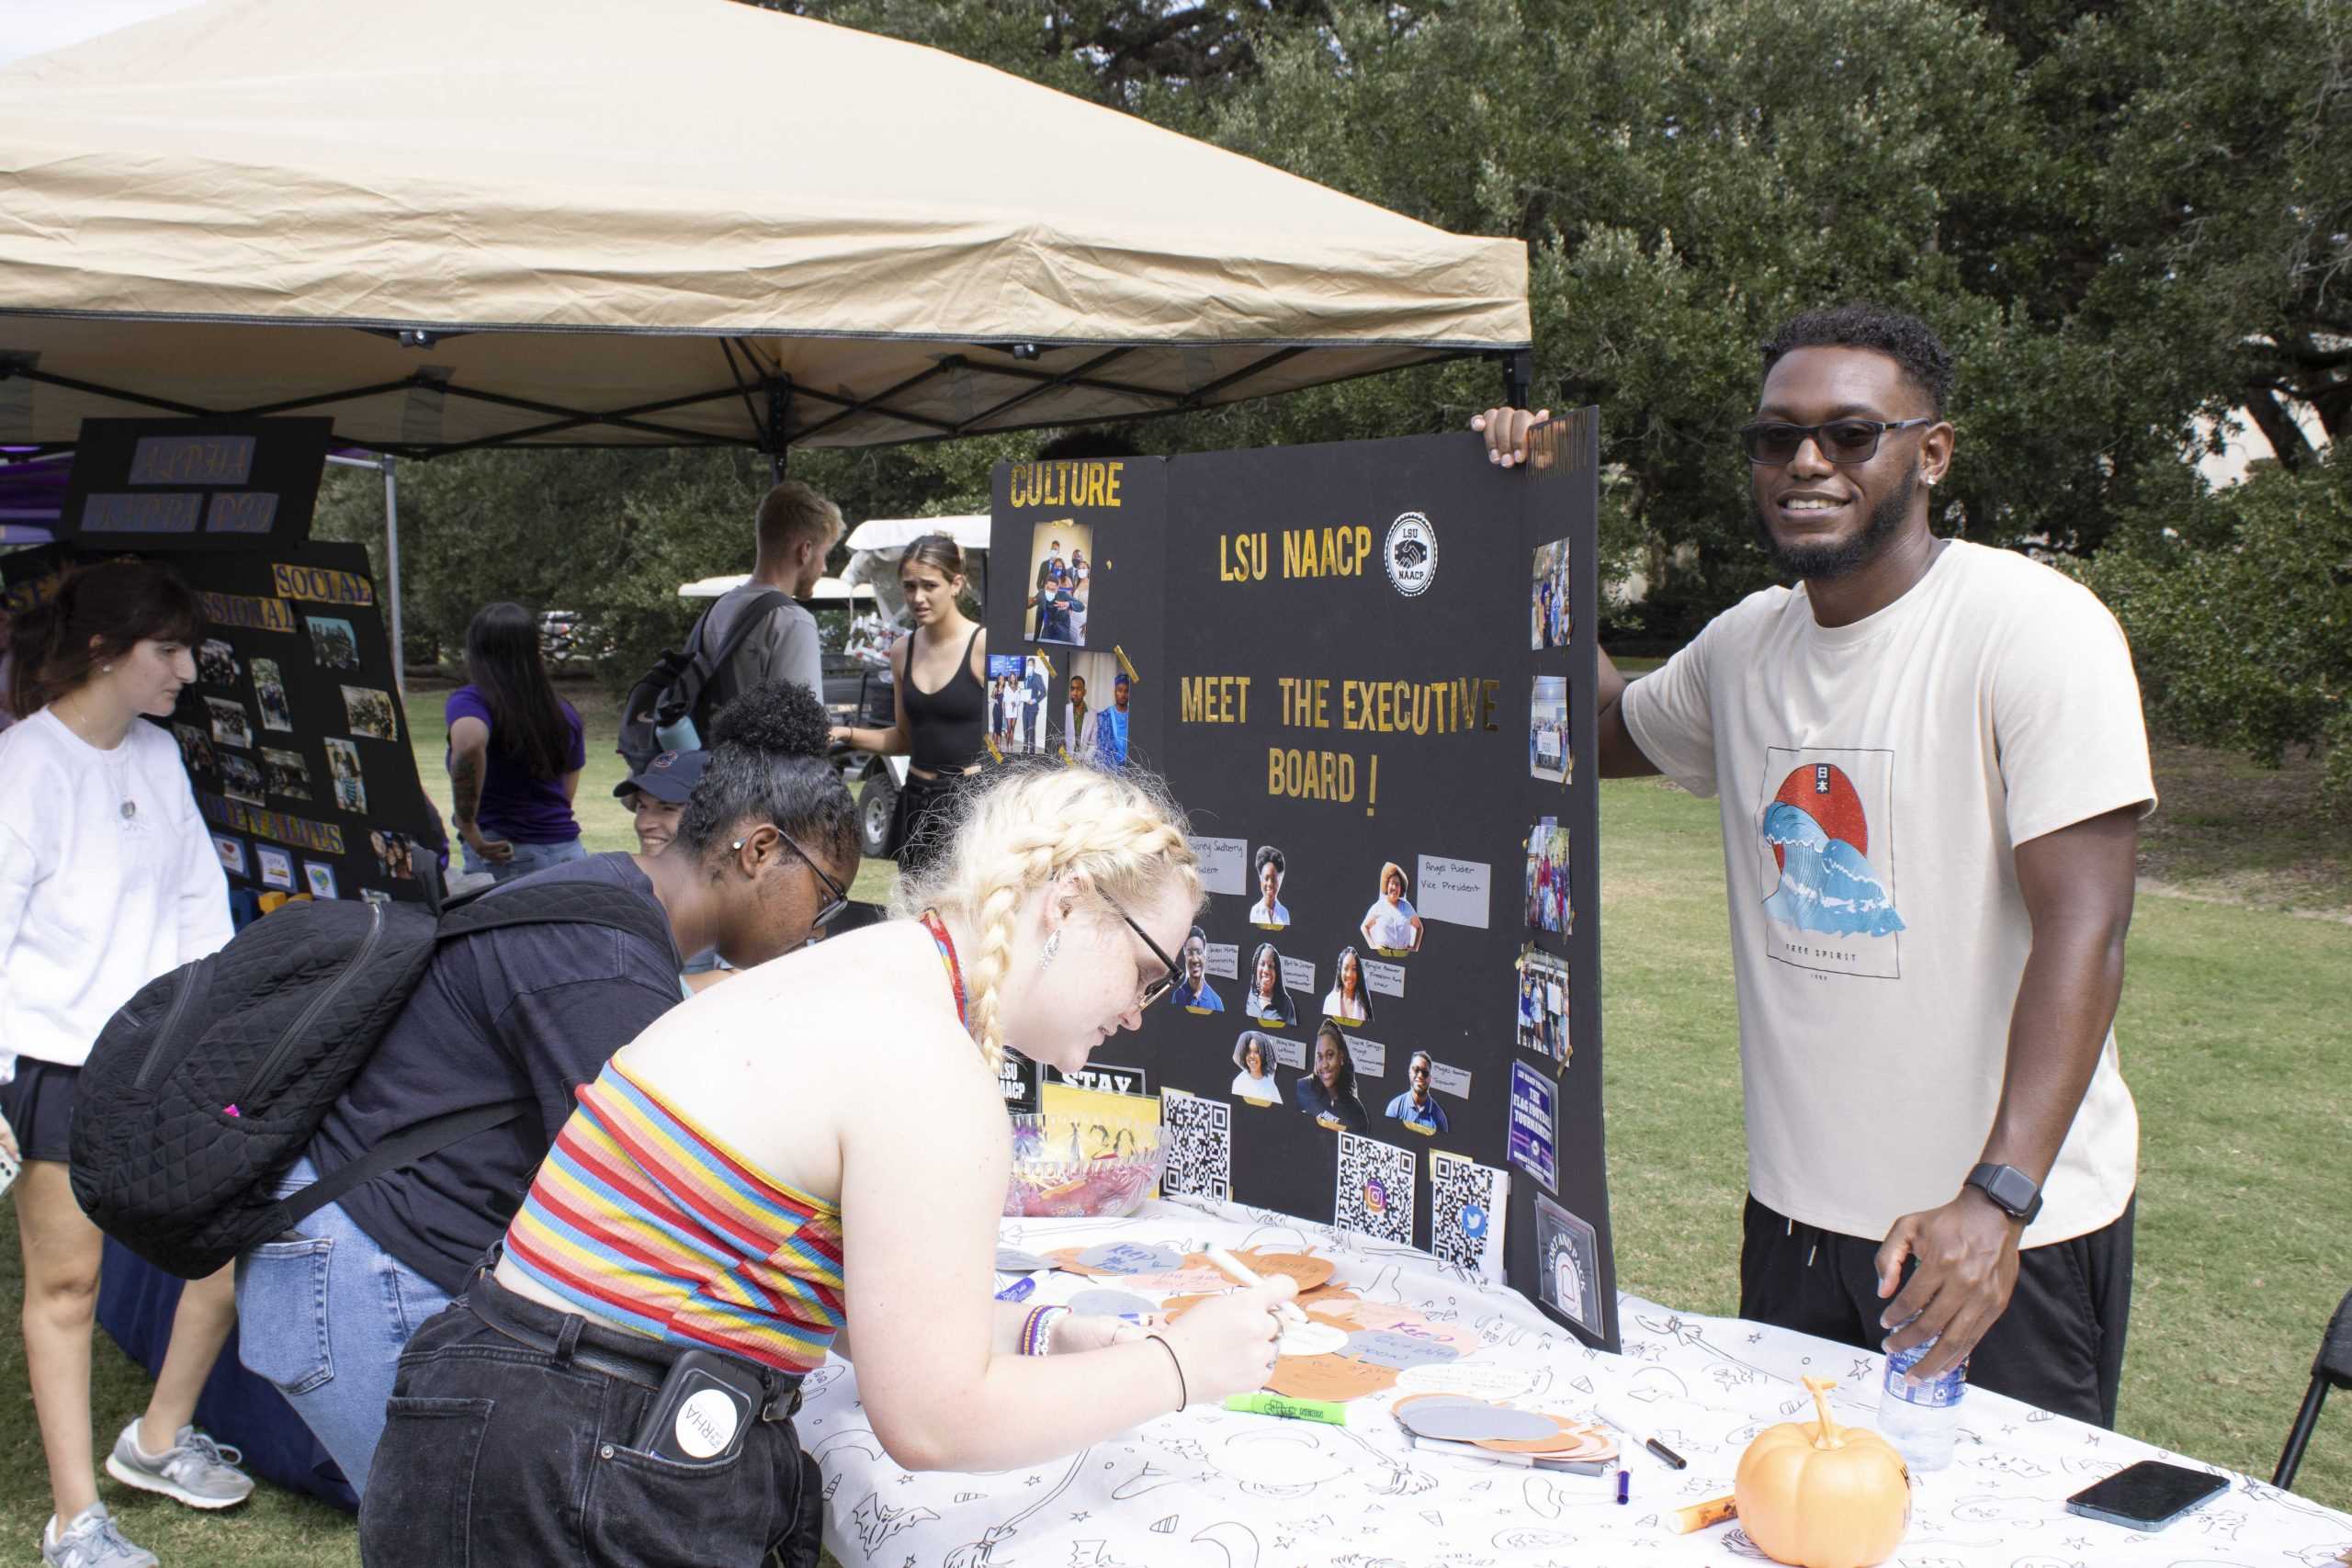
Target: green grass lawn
(2234, 1041)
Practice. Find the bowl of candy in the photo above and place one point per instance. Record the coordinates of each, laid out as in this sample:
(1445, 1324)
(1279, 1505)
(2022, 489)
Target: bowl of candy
(1067, 1167)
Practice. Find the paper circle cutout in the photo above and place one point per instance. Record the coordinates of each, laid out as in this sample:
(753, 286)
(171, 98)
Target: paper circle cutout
(1311, 1340)
(1112, 1303)
(1470, 1423)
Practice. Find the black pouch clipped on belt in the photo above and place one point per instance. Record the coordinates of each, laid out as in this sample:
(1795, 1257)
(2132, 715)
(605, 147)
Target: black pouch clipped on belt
(706, 1404)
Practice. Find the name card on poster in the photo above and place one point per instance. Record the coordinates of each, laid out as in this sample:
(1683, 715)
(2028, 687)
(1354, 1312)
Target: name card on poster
(1453, 890)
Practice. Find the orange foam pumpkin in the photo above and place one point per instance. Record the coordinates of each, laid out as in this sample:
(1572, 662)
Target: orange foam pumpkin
(1816, 1494)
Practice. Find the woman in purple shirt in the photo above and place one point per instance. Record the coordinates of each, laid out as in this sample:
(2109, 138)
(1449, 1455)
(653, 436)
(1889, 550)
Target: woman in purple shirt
(515, 751)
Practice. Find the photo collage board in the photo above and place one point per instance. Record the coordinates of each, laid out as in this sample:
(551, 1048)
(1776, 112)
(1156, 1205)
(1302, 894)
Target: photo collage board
(292, 732)
(1365, 670)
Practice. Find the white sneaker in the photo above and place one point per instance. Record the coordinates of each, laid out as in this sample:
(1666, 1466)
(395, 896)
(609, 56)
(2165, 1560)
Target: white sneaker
(91, 1541)
(195, 1469)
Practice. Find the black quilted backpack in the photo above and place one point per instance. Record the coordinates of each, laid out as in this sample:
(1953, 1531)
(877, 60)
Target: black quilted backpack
(207, 1085)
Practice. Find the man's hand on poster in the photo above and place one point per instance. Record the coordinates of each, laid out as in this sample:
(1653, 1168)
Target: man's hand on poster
(1507, 432)
(1967, 1257)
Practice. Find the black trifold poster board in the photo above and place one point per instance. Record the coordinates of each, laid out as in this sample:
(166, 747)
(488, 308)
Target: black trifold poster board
(1366, 671)
(292, 731)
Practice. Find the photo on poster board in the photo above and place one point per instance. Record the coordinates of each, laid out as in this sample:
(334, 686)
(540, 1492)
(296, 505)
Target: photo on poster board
(1567, 1259)
(1468, 1204)
(1021, 692)
(242, 779)
(1535, 1124)
(1543, 1013)
(231, 852)
(215, 663)
(1329, 1090)
(1265, 996)
(285, 774)
(1390, 926)
(1416, 1107)
(1349, 1001)
(1268, 868)
(350, 784)
(1253, 1069)
(333, 643)
(395, 854)
(1551, 756)
(371, 712)
(1548, 908)
(1197, 1147)
(1195, 993)
(1062, 577)
(276, 866)
(1551, 612)
(196, 749)
(319, 879)
(1373, 1195)
(231, 727)
(1093, 722)
(269, 690)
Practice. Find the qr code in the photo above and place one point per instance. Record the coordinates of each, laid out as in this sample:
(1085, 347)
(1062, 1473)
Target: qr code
(1466, 1206)
(1376, 1189)
(1198, 1143)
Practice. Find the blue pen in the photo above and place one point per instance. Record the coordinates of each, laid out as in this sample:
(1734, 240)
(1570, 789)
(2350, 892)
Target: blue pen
(1019, 1290)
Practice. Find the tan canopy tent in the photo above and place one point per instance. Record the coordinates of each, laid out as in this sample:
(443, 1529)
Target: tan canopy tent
(452, 225)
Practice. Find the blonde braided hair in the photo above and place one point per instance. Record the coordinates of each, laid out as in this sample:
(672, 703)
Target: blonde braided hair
(1021, 826)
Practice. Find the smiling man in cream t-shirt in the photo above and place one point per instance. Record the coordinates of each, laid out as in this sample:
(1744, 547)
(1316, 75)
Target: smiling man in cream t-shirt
(1932, 765)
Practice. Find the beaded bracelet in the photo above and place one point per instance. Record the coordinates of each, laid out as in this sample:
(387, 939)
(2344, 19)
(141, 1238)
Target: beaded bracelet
(1038, 1329)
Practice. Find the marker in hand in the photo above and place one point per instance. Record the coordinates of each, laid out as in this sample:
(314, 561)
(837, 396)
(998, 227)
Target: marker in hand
(1241, 1274)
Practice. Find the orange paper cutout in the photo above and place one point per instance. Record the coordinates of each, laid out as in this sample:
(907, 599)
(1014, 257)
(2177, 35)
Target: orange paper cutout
(1334, 1378)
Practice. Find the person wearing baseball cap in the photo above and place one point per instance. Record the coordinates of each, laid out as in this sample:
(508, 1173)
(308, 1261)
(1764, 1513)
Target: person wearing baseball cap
(657, 795)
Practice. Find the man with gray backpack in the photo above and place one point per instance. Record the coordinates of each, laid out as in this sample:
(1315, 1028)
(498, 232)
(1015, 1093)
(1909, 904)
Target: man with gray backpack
(354, 1097)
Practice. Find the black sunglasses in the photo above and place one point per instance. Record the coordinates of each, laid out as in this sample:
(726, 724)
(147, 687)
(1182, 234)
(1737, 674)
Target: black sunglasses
(1769, 443)
(1167, 982)
(837, 898)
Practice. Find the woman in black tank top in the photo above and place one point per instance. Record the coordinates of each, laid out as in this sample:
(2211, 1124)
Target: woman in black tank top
(941, 730)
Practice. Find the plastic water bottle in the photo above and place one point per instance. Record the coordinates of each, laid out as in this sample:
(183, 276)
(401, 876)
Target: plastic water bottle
(1921, 1419)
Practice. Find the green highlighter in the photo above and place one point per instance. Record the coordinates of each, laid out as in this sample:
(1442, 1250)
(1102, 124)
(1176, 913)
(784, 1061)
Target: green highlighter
(1294, 1409)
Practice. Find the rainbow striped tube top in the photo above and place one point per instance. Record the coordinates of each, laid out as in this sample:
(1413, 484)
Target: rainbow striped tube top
(645, 1221)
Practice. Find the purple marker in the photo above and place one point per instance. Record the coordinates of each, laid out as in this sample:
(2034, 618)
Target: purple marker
(1624, 1487)
(1019, 1290)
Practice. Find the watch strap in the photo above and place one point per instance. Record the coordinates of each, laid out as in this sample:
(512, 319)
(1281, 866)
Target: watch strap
(2012, 1191)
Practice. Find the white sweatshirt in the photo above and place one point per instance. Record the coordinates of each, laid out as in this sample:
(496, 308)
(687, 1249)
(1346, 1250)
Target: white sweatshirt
(94, 904)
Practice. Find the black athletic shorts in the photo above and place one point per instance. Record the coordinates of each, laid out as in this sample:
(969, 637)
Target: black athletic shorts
(38, 1105)
(2059, 1346)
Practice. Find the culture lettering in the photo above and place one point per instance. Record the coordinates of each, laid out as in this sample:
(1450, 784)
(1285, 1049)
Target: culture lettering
(1093, 482)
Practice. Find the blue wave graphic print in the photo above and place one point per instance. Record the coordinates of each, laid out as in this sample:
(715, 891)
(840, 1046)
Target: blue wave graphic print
(1826, 885)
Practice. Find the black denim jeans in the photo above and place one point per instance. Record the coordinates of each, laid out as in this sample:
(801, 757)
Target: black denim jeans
(498, 1452)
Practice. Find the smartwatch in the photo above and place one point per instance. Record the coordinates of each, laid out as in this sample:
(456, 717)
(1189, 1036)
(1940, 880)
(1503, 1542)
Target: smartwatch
(2013, 1192)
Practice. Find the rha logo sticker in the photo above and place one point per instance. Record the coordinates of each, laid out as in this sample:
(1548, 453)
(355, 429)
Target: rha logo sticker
(1411, 554)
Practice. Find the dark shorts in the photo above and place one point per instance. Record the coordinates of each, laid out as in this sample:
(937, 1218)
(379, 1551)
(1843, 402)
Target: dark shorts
(499, 1449)
(2058, 1346)
(38, 1105)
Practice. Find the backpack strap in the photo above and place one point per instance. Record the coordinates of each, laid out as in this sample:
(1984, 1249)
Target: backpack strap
(429, 1136)
(575, 903)
(585, 904)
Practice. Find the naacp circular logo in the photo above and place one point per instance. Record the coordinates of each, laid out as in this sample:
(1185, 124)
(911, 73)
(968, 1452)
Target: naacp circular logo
(1411, 554)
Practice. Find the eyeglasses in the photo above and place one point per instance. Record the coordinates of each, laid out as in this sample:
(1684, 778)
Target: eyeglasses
(837, 898)
(1154, 990)
(1769, 443)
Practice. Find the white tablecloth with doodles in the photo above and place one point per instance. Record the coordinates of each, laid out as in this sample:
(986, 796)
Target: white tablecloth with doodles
(1211, 1488)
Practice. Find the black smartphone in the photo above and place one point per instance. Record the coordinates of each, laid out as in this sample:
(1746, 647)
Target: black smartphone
(2147, 1495)
(706, 1404)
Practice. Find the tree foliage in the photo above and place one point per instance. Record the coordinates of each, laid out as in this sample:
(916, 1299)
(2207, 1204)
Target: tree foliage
(2239, 608)
(2127, 216)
